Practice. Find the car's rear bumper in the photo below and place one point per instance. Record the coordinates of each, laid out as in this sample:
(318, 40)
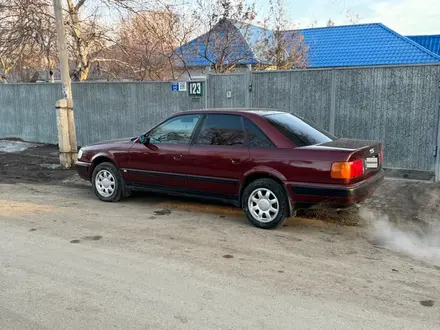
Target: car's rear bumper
(335, 196)
(83, 170)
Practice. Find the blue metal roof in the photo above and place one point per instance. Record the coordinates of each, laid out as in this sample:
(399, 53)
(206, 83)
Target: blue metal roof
(363, 44)
(337, 46)
(223, 43)
(431, 42)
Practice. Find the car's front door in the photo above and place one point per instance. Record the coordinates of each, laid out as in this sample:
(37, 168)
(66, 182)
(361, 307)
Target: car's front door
(162, 162)
(218, 156)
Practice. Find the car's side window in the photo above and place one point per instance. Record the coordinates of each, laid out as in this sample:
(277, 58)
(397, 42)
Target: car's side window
(221, 130)
(177, 130)
(255, 137)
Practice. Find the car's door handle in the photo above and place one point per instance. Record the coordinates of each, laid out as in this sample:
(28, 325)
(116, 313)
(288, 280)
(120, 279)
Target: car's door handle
(178, 157)
(235, 161)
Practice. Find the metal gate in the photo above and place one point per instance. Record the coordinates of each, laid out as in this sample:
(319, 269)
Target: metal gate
(227, 91)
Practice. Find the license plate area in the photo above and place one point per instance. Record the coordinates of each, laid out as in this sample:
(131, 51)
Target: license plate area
(372, 162)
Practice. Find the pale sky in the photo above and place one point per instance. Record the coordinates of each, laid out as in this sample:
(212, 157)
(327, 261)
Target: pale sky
(407, 17)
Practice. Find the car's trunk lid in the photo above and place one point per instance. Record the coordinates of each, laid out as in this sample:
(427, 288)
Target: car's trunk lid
(352, 144)
(366, 150)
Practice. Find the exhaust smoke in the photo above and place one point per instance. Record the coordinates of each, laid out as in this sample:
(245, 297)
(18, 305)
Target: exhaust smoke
(415, 241)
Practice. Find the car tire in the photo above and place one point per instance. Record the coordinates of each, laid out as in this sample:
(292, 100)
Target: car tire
(107, 182)
(265, 203)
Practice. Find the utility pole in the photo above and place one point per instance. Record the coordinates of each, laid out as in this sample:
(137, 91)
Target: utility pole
(64, 107)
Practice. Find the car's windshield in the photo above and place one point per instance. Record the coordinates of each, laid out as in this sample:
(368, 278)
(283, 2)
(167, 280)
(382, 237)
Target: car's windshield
(299, 131)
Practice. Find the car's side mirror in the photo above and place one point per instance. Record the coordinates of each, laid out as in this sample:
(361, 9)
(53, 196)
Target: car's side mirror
(144, 139)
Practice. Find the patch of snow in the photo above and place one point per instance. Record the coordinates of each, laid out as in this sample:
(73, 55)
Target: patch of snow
(75, 179)
(15, 146)
(51, 166)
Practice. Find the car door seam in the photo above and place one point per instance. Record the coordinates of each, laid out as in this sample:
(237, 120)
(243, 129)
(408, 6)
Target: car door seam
(183, 176)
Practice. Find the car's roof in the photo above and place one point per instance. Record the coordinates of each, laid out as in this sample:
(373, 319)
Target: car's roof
(258, 112)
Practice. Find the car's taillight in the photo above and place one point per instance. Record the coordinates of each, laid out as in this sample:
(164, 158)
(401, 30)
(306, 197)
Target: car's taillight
(347, 170)
(381, 157)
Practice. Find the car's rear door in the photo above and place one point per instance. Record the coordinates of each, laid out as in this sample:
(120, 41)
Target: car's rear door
(162, 163)
(218, 156)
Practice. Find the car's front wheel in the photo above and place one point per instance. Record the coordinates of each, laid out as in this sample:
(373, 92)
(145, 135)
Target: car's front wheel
(265, 203)
(107, 182)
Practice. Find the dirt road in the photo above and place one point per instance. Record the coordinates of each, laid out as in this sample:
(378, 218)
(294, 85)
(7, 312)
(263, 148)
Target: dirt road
(69, 261)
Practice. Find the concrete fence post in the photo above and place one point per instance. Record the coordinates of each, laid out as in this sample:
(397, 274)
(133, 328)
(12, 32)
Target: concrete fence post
(437, 158)
(248, 87)
(437, 142)
(65, 118)
(208, 94)
(332, 114)
(66, 134)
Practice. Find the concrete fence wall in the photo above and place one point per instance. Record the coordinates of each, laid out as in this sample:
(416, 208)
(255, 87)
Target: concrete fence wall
(102, 110)
(307, 93)
(396, 105)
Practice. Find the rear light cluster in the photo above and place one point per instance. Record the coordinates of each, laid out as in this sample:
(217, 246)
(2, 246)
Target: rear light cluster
(381, 157)
(347, 170)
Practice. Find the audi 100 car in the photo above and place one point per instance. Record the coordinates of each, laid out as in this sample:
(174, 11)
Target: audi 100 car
(270, 163)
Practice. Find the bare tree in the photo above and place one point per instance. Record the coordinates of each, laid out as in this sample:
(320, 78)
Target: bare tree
(283, 49)
(141, 45)
(352, 17)
(145, 46)
(232, 40)
(89, 37)
(330, 22)
(223, 45)
(27, 37)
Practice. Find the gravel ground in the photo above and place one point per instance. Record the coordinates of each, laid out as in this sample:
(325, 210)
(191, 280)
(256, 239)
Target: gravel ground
(69, 261)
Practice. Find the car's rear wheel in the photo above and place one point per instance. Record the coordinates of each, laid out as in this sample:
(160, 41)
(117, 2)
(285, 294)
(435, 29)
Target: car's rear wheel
(107, 182)
(265, 203)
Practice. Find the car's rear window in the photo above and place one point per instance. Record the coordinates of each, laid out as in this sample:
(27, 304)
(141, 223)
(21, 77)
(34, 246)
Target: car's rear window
(299, 131)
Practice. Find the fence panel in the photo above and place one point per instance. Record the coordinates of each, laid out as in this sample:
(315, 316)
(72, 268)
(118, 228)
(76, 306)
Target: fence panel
(305, 93)
(113, 110)
(27, 111)
(221, 85)
(102, 110)
(398, 106)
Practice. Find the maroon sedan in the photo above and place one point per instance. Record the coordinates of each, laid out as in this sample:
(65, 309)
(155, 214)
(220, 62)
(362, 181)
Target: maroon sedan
(270, 163)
